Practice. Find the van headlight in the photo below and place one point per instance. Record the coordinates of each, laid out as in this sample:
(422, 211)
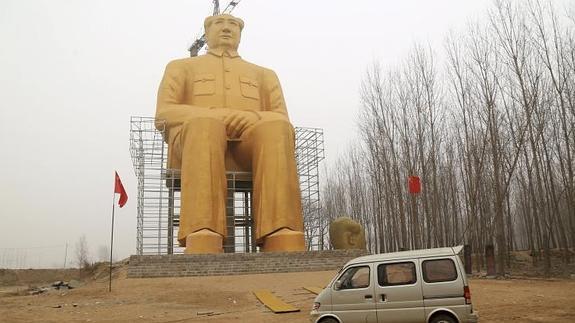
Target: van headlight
(315, 306)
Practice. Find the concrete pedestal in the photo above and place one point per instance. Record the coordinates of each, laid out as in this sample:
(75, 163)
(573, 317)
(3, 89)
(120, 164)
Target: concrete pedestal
(238, 263)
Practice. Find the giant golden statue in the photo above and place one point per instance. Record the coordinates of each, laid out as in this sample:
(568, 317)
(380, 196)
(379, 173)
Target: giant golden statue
(220, 110)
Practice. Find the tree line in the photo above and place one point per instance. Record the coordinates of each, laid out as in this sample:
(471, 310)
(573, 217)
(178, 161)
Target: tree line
(489, 130)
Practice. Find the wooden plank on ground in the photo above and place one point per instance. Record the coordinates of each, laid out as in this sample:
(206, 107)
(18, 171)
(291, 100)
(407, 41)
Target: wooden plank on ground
(273, 303)
(313, 289)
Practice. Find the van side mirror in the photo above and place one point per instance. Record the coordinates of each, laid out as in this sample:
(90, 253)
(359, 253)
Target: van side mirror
(337, 285)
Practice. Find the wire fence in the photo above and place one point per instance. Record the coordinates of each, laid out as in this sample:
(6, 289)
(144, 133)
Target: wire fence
(56, 256)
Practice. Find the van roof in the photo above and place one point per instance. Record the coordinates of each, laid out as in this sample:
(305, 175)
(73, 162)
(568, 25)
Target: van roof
(449, 251)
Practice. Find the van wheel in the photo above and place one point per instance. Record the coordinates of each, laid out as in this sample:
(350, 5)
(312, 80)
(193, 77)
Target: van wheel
(443, 318)
(328, 320)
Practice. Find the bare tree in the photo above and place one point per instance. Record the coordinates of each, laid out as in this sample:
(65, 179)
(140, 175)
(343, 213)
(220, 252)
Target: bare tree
(82, 253)
(491, 135)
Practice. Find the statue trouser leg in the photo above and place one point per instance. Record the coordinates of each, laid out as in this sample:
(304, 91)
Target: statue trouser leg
(269, 149)
(202, 144)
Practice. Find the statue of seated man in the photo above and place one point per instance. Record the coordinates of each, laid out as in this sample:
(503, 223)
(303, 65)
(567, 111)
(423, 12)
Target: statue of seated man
(217, 107)
(345, 233)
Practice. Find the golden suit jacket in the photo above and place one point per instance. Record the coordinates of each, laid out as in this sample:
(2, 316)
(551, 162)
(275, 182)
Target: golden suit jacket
(191, 87)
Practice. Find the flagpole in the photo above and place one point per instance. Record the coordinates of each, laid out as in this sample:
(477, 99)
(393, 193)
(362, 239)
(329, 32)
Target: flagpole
(112, 241)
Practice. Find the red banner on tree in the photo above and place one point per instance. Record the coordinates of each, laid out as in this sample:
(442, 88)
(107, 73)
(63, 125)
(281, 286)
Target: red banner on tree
(414, 184)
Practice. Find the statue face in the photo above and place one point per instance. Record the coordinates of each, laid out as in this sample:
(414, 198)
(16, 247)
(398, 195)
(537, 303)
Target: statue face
(224, 32)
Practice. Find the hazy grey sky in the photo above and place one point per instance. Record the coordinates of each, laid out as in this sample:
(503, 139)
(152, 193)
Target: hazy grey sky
(72, 72)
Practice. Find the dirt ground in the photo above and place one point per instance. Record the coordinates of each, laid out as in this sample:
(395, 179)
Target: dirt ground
(230, 299)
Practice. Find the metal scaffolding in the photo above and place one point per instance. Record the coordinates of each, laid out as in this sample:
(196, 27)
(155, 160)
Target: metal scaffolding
(159, 194)
(308, 153)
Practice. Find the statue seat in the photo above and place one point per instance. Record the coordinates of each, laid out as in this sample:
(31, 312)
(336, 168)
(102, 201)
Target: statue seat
(172, 175)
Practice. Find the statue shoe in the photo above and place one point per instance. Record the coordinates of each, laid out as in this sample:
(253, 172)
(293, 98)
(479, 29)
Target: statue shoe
(284, 240)
(204, 241)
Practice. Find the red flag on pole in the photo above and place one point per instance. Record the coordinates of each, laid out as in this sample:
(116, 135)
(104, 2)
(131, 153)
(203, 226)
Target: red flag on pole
(414, 184)
(119, 188)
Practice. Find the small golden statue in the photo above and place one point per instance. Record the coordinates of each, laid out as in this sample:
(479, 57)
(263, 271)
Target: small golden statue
(221, 112)
(345, 233)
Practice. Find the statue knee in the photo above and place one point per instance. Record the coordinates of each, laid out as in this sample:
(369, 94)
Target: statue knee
(204, 127)
(273, 132)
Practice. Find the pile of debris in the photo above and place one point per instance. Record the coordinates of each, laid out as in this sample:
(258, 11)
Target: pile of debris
(57, 285)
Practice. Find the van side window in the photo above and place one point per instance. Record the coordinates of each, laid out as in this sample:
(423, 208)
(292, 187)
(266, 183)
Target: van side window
(401, 273)
(355, 277)
(439, 270)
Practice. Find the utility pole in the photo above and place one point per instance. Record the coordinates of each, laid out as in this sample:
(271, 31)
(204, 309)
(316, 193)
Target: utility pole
(65, 255)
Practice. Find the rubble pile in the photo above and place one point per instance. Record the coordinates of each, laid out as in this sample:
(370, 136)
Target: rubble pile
(57, 285)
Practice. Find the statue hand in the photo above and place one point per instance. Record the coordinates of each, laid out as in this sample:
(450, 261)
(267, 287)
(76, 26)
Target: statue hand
(238, 121)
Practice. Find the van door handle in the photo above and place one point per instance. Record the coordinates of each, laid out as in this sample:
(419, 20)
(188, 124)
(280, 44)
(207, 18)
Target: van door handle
(368, 296)
(383, 298)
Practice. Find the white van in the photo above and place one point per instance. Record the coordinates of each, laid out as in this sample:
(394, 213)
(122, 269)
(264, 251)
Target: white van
(409, 286)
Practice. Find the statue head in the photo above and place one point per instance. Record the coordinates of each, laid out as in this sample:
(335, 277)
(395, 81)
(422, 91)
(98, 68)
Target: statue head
(345, 233)
(223, 31)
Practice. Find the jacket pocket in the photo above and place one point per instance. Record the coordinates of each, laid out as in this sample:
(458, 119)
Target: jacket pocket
(204, 84)
(249, 88)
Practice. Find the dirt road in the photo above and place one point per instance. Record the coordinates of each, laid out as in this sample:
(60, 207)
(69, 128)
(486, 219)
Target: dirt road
(230, 299)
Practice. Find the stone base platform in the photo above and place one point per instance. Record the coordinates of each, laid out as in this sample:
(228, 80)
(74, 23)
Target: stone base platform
(238, 263)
